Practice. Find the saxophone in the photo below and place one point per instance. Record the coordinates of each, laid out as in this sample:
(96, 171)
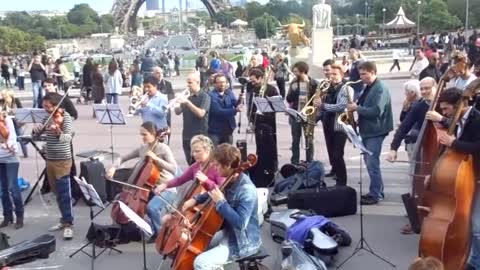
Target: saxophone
(309, 112)
(347, 117)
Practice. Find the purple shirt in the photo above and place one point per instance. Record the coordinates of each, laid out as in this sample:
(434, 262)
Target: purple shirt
(214, 178)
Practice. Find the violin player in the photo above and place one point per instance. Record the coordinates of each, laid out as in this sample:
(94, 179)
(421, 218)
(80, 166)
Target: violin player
(59, 133)
(238, 206)
(163, 158)
(465, 140)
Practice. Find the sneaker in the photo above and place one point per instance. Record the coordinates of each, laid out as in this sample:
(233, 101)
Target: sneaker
(368, 201)
(57, 227)
(67, 233)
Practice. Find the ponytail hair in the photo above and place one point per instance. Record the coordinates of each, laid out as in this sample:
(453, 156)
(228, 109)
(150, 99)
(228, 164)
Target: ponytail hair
(150, 127)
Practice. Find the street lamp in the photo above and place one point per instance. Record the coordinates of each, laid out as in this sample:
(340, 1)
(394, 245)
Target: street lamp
(418, 17)
(467, 10)
(358, 22)
(266, 25)
(366, 18)
(383, 30)
(338, 27)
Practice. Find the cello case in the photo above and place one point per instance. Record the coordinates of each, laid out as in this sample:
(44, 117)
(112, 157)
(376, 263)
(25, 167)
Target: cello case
(27, 251)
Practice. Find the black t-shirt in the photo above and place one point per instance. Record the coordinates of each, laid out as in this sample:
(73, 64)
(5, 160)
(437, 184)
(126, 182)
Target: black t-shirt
(267, 118)
(192, 125)
(37, 73)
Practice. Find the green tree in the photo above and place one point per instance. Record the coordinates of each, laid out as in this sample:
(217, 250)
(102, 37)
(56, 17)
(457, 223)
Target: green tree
(265, 26)
(254, 11)
(458, 7)
(82, 14)
(20, 20)
(15, 41)
(106, 23)
(438, 18)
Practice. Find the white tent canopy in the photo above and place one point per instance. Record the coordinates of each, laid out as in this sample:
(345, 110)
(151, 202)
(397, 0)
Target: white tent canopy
(400, 21)
(239, 22)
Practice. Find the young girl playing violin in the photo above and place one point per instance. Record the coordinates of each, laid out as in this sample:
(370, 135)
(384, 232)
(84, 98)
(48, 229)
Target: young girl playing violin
(8, 173)
(162, 156)
(238, 205)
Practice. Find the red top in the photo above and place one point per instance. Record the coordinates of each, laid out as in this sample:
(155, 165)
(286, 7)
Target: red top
(214, 178)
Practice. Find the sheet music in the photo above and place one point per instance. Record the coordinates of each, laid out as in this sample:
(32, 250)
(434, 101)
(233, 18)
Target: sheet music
(296, 115)
(354, 138)
(277, 103)
(89, 192)
(30, 115)
(109, 114)
(263, 106)
(142, 224)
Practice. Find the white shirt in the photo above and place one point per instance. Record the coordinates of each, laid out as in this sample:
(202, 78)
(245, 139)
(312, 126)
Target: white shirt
(462, 121)
(396, 54)
(462, 83)
(418, 67)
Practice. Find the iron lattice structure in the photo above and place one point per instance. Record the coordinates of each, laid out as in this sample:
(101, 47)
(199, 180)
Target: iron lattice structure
(124, 12)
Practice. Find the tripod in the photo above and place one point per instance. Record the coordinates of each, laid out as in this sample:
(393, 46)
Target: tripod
(362, 243)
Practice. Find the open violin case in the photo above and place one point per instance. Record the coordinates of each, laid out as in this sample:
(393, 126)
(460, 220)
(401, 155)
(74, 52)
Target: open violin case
(317, 244)
(28, 251)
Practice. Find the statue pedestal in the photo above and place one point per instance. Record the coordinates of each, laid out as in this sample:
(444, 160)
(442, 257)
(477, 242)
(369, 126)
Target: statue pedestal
(322, 45)
(299, 54)
(216, 39)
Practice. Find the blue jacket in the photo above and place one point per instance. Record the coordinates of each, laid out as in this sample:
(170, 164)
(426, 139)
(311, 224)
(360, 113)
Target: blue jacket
(222, 112)
(240, 211)
(155, 110)
(411, 124)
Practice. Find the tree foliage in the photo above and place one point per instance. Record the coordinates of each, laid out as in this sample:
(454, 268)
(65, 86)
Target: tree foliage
(15, 41)
(82, 14)
(265, 26)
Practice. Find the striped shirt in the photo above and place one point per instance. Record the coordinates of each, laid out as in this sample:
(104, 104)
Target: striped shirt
(340, 106)
(59, 147)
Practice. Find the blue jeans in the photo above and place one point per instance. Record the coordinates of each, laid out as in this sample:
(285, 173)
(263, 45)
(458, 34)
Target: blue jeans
(297, 130)
(216, 255)
(64, 199)
(37, 93)
(475, 245)
(219, 139)
(156, 208)
(10, 190)
(374, 145)
(112, 98)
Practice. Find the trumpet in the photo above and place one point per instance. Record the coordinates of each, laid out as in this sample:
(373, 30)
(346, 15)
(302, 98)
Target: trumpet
(322, 88)
(347, 117)
(184, 94)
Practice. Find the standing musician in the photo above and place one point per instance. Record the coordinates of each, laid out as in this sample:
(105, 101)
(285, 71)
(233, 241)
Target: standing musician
(162, 157)
(334, 104)
(257, 81)
(59, 134)
(9, 163)
(238, 205)
(466, 140)
(375, 121)
(301, 88)
(49, 85)
(195, 114)
(153, 108)
(461, 66)
(164, 87)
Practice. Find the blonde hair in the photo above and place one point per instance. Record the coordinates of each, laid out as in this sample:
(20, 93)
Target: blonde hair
(203, 141)
(429, 263)
(8, 92)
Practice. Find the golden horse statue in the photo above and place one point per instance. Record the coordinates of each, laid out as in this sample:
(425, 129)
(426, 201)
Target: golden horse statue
(295, 34)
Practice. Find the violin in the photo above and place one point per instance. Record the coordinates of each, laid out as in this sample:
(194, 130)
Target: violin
(57, 119)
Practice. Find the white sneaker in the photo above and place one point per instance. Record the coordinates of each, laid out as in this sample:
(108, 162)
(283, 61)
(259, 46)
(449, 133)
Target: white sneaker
(57, 227)
(67, 233)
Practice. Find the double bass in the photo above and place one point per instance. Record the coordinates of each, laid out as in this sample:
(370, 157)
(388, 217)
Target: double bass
(146, 178)
(449, 193)
(191, 236)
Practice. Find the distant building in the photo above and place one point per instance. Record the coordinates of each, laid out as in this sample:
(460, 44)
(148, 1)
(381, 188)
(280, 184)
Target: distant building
(153, 5)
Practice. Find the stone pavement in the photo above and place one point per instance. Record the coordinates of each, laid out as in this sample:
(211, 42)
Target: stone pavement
(382, 222)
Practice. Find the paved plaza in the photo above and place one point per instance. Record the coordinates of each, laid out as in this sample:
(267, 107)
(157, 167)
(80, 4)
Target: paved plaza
(382, 221)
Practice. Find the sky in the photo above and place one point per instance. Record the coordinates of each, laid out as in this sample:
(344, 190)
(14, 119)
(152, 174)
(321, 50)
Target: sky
(65, 5)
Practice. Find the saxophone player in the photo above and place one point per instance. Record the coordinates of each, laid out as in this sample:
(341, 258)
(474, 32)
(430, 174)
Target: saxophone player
(301, 89)
(334, 103)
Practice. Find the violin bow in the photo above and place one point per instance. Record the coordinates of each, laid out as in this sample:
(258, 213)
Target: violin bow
(55, 109)
(148, 190)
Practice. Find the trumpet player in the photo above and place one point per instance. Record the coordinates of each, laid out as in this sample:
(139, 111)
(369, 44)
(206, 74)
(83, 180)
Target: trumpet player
(301, 88)
(335, 103)
(153, 107)
(195, 109)
(375, 121)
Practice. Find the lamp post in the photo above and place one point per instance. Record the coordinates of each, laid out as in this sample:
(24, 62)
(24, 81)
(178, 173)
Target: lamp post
(357, 15)
(338, 27)
(366, 18)
(467, 11)
(418, 17)
(266, 25)
(383, 28)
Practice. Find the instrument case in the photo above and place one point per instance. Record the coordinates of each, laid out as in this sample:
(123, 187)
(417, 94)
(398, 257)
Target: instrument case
(27, 251)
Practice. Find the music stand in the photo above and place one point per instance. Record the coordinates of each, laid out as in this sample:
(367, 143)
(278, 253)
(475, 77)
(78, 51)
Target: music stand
(91, 195)
(362, 243)
(109, 114)
(35, 116)
(141, 224)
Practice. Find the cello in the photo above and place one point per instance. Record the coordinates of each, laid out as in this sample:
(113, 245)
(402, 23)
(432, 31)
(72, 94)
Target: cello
(448, 199)
(146, 178)
(192, 236)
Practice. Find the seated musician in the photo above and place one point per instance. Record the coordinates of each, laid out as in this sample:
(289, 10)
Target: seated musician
(238, 205)
(59, 161)
(9, 163)
(466, 140)
(202, 169)
(162, 156)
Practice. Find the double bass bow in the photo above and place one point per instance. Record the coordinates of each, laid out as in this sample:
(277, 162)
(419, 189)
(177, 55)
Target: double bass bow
(446, 230)
(192, 237)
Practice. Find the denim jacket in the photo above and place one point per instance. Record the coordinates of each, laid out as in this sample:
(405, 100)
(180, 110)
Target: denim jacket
(240, 211)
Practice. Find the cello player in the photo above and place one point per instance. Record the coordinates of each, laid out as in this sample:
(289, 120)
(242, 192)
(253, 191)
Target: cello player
(162, 157)
(238, 205)
(466, 140)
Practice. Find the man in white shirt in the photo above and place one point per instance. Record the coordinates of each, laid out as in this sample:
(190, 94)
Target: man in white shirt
(396, 54)
(420, 63)
(462, 69)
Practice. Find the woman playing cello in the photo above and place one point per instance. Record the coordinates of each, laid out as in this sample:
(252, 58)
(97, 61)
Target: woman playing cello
(162, 157)
(238, 206)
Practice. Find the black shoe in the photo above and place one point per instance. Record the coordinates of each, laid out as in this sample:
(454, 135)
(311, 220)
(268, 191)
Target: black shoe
(368, 201)
(365, 196)
(330, 174)
(6, 222)
(469, 267)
